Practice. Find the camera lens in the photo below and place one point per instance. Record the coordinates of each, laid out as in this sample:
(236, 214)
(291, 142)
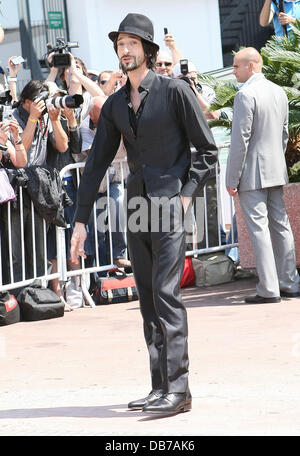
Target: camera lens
(69, 101)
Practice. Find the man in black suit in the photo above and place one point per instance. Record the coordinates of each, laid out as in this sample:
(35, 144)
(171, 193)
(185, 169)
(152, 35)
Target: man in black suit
(158, 118)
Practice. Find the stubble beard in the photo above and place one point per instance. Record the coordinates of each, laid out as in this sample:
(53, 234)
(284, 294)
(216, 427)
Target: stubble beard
(131, 66)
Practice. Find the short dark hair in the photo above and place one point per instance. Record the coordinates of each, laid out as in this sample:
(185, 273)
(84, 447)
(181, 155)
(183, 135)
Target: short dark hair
(32, 89)
(150, 51)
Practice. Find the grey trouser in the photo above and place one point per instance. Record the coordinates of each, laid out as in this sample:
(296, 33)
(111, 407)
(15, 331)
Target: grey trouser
(272, 240)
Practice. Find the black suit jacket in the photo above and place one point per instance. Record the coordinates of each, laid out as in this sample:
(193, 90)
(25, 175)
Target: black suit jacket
(158, 151)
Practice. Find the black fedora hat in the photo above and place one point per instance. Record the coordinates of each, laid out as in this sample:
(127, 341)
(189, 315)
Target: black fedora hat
(136, 24)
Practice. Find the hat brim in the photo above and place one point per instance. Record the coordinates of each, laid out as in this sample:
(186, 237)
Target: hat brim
(113, 35)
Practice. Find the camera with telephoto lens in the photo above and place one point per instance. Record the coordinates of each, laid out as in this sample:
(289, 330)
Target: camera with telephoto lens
(61, 57)
(68, 101)
(6, 109)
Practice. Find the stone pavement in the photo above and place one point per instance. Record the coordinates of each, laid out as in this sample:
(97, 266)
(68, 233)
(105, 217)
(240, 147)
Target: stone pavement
(74, 376)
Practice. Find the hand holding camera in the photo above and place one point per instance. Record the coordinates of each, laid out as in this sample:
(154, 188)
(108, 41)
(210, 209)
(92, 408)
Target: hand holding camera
(4, 131)
(169, 41)
(54, 113)
(60, 57)
(14, 128)
(69, 114)
(37, 109)
(14, 67)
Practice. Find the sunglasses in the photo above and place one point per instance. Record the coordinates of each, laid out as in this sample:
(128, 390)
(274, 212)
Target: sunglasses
(167, 64)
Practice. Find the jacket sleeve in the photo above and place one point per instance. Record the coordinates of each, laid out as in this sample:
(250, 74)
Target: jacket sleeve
(103, 151)
(285, 132)
(75, 141)
(243, 112)
(200, 135)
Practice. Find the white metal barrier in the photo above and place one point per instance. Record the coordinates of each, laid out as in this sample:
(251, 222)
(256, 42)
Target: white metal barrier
(63, 273)
(18, 251)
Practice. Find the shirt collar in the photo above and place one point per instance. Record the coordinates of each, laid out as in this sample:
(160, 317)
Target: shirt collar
(145, 84)
(253, 78)
(23, 113)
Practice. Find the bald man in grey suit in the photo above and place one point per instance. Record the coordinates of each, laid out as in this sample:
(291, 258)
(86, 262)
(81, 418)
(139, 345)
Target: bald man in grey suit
(256, 169)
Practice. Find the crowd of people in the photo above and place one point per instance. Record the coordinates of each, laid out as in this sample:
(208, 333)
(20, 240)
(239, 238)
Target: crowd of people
(41, 135)
(57, 137)
(141, 105)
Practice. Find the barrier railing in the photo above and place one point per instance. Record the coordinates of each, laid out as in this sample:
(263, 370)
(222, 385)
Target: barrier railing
(19, 264)
(19, 225)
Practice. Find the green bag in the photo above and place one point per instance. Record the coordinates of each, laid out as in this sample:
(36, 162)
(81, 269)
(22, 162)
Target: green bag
(213, 269)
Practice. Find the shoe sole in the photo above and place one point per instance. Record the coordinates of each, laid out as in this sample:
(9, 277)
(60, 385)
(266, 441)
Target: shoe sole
(290, 296)
(267, 301)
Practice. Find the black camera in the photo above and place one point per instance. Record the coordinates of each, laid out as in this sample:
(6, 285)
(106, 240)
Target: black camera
(6, 109)
(68, 101)
(61, 57)
(184, 67)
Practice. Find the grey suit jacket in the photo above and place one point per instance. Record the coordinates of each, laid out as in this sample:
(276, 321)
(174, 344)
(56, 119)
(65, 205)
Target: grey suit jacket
(259, 136)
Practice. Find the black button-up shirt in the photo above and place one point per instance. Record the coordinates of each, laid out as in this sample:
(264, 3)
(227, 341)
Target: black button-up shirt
(157, 139)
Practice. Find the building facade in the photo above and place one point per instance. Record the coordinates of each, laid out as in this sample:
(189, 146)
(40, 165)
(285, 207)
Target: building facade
(206, 31)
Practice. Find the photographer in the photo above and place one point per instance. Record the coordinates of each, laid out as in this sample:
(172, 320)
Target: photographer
(282, 13)
(165, 61)
(205, 95)
(34, 124)
(75, 80)
(58, 160)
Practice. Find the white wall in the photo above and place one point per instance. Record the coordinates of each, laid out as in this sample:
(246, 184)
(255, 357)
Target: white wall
(195, 25)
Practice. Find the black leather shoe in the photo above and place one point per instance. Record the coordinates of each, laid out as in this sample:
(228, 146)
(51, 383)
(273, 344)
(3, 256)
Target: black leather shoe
(170, 403)
(287, 294)
(261, 300)
(140, 403)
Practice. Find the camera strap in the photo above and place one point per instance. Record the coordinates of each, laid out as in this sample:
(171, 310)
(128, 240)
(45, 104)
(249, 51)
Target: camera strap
(44, 127)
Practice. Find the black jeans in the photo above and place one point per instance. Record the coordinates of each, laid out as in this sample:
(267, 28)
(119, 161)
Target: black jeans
(157, 258)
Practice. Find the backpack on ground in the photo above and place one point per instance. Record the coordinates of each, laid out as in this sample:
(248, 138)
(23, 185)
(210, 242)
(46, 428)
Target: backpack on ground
(213, 270)
(39, 303)
(9, 309)
(116, 289)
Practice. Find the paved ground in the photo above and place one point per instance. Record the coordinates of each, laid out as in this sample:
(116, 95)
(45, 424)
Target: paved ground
(74, 375)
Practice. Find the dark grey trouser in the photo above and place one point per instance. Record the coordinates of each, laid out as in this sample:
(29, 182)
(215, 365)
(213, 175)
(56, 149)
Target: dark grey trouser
(157, 257)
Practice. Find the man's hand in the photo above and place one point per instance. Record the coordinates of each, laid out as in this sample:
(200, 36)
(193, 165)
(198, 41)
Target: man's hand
(37, 108)
(4, 130)
(70, 116)
(186, 200)
(285, 19)
(77, 242)
(54, 113)
(14, 128)
(232, 191)
(170, 41)
(13, 69)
